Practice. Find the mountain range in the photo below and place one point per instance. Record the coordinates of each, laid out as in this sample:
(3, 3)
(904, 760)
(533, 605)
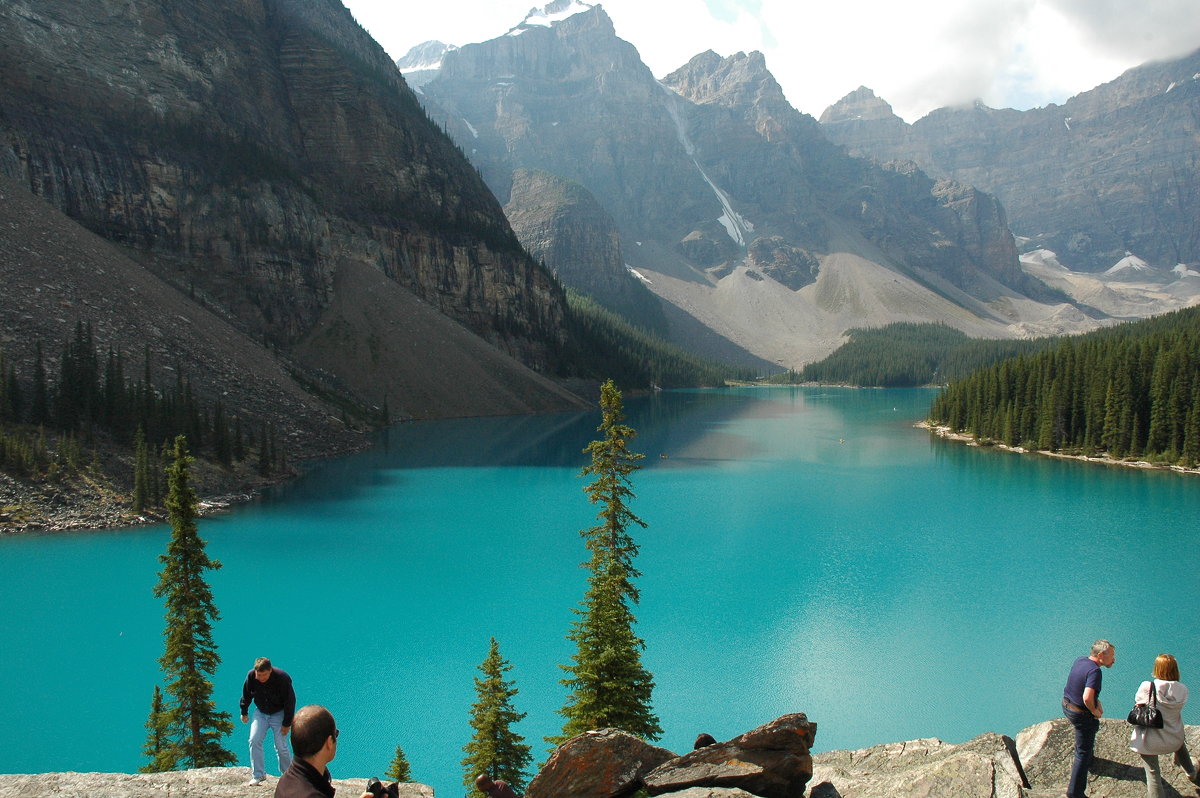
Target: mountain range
(261, 169)
(762, 236)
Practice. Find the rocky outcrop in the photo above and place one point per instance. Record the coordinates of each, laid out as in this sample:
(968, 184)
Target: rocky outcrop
(772, 760)
(199, 783)
(253, 153)
(561, 224)
(599, 764)
(984, 766)
(1110, 171)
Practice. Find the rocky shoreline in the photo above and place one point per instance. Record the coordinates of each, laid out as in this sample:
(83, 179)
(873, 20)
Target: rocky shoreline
(962, 437)
(611, 764)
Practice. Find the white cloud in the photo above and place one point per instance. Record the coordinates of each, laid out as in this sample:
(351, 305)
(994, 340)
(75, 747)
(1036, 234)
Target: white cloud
(918, 55)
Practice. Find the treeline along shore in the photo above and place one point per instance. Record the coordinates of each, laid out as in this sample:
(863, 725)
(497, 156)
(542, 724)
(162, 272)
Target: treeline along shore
(1126, 393)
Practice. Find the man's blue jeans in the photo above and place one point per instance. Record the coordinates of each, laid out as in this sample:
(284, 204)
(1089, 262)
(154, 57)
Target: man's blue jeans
(259, 723)
(1086, 725)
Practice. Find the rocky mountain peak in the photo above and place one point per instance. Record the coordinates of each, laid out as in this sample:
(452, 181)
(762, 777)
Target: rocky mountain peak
(426, 55)
(862, 103)
(736, 80)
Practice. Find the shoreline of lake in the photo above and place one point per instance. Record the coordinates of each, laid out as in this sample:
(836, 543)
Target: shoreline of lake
(962, 437)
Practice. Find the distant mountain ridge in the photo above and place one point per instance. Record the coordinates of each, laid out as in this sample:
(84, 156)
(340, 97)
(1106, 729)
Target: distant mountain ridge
(1113, 170)
(734, 208)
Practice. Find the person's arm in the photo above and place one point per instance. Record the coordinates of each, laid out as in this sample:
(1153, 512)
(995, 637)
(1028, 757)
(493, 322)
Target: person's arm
(244, 704)
(289, 707)
(1092, 701)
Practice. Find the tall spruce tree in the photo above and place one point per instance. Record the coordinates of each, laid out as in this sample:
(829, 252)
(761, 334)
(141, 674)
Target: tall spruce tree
(609, 685)
(495, 749)
(190, 658)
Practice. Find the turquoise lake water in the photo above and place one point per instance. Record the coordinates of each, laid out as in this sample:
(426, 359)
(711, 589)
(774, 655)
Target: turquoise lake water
(808, 550)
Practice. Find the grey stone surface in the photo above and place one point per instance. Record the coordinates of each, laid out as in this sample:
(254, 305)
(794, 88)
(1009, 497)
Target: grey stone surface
(199, 783)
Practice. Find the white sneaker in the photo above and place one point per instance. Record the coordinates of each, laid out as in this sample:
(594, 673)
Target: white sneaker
(254, 782)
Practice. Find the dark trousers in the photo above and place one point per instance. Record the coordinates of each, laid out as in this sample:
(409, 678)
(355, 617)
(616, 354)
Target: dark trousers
(1086, 725)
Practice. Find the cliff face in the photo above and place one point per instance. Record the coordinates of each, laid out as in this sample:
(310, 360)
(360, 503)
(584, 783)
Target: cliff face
(562, 225)
(1113, 170)
(252, 153)
(740, 214)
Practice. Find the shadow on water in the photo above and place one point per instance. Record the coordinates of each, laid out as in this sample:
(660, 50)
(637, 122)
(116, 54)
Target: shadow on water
(664, 421)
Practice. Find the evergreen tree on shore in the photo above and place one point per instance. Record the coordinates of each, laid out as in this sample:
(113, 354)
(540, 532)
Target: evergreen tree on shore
(1125, 391)
(495, 749)
(399, 769)
(190, 658)
(609, 685)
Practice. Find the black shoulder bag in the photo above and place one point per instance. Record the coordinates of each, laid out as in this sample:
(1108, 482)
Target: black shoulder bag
(1147, 715)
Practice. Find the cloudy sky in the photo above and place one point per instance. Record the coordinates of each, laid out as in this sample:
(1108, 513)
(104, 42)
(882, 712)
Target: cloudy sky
(916, 54)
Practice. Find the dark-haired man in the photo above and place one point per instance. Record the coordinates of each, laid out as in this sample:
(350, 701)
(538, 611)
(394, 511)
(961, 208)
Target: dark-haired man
(314, 742)
(270, 689)
(1081, 705)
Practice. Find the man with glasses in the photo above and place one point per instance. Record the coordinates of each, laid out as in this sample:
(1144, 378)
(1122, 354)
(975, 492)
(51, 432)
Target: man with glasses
(274, 703)
(314, 742)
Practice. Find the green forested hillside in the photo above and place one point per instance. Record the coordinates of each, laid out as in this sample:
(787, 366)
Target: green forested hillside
(1127, 391)
(904, 355)
(608, 347)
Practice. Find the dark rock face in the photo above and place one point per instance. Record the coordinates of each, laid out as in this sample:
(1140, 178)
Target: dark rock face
(247, 152)
(1112, 170)
(772, 761)
(600, 764)
(562, 225)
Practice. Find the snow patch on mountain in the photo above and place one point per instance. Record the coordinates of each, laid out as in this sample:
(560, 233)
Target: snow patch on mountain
(1043, 257)
(425, 56)
(638, 275)
(550, 14)
(736, 225)
(1181, 271)
(1130, 263)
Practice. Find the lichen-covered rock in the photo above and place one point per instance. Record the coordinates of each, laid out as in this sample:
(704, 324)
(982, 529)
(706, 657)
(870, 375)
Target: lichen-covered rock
(199, 783)
(598, 764)
(1046, 750)
(985, 766)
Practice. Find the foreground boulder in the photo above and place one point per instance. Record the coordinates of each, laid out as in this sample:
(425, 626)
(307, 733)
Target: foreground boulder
(598, 764)
(1047, 748)
(986, 766)
(198, 783)
(772, 761)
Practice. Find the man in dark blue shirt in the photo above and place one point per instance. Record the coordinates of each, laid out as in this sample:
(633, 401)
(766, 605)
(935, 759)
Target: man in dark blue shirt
(1081, 705)
(274, 705)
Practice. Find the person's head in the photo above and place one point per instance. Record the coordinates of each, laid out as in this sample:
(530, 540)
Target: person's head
(703, 740)
(1104, 652)
(1166, 668)
(262, 669)
(314, 733)
(483, 782)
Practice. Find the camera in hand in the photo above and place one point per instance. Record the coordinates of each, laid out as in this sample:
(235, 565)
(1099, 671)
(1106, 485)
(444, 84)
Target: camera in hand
(380, 790)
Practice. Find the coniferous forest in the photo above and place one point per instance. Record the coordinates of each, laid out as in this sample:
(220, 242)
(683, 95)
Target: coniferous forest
(906, 355)
(1131, 391)
(70, 402)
